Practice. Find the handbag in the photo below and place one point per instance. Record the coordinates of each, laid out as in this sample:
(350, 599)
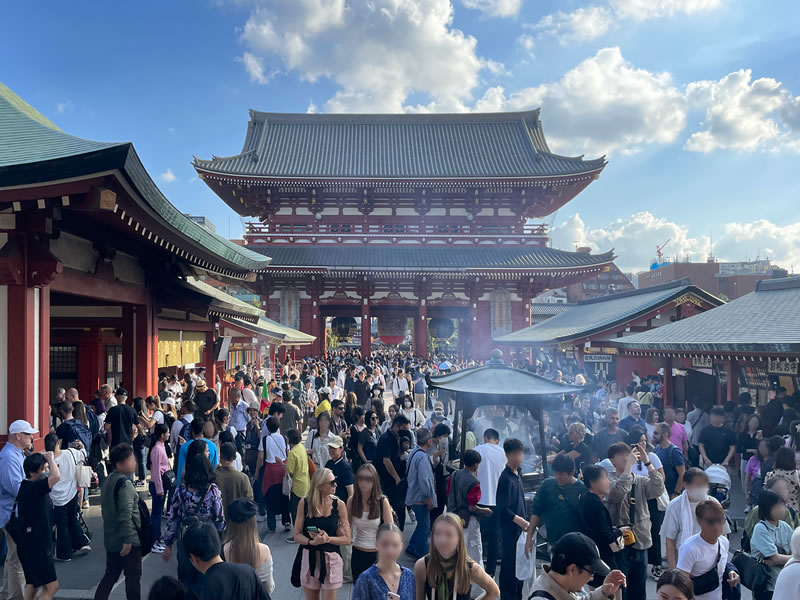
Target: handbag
(83, 473)
(708, 581)
(286, 486)
(754, 573)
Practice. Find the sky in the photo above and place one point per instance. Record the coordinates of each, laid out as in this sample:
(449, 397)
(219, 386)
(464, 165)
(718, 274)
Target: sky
(695, 103)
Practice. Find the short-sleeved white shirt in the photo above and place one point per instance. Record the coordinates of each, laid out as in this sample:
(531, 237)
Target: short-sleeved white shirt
(696, 556)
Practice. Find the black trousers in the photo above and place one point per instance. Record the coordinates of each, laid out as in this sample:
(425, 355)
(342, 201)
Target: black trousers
(656, 519)
(510, 586)
(396, 493)
(491, 541)
(131, 565)
(361, 561)
(69, 534)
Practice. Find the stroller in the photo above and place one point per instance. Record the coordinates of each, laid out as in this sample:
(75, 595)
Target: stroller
(719, 486)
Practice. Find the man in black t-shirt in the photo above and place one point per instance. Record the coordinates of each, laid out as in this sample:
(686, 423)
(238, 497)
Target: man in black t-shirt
(341, 469)
(220, 579)
(717, 443)
(121, 421)
(206, 401)
(389, 466)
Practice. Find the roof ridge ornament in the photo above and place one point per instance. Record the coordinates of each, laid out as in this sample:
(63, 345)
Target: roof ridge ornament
(496, 359)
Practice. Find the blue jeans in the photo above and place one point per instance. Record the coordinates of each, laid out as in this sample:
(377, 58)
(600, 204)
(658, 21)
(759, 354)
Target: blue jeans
(158, 510)
(418, 544)
(633, 563)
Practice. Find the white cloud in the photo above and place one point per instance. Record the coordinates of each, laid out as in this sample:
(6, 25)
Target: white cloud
(495, 8)
(379, 52)
(602, 105)
(586, 23)
(746, 115)
(311, 108)
(634, 240)
(527, 42)
(168, 176)
(640, 10)
(63, 105)
(255, 68)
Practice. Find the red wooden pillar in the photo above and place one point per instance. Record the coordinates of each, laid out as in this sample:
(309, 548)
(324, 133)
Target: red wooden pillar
(421, 331)
(146, 350)
(322, 336)
(44, 360)
(127, 347)
(733, 380)
(667, 392)
(21, 354)
(209, 358)
(366, 329)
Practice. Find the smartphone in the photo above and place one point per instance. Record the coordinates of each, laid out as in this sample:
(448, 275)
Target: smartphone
(312, 529)
(392, 596)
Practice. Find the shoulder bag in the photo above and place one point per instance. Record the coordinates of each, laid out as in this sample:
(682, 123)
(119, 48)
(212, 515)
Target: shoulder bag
(83, 473)
(754, 573)
(708, 581)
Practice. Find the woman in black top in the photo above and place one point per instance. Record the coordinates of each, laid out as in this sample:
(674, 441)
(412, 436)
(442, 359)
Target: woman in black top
(352, 443)
(596, 519)
(368, 439)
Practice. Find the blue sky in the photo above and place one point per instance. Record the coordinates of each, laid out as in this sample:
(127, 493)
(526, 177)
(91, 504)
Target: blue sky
(695, 102)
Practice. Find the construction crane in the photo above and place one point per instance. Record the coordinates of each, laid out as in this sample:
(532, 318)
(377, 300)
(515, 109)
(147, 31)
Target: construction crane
(659, 253)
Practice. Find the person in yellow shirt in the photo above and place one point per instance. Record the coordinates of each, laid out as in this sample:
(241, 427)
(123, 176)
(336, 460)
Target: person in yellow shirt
(297, 467)
(324, 404)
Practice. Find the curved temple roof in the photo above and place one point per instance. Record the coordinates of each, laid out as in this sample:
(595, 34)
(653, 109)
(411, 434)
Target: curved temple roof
(35, 151)
(397, 146)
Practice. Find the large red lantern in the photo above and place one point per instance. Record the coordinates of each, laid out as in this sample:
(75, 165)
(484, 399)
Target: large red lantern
(441, 328)
(343, 327)
(392, 330)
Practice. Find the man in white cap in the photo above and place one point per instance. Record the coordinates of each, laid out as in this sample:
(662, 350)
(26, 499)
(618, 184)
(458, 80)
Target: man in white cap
(20, 439)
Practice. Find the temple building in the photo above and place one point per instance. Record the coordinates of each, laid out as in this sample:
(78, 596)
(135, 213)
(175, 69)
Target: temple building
(102, 280)
(435, 218)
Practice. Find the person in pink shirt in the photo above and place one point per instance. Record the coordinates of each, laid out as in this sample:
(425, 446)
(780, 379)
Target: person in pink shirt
(159, 464)
(678, 436)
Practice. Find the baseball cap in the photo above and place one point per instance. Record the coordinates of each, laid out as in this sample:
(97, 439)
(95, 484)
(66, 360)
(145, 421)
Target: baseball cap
(22, 427)
(577, 549)
(121, 391)
(335, 441)
(168, 400)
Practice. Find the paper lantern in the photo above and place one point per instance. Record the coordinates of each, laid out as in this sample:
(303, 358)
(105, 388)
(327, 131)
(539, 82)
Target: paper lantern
(343, 326)
(441, 328)
(392, 330)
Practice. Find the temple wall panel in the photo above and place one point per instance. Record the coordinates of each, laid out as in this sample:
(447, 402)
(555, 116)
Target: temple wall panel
(4, 359)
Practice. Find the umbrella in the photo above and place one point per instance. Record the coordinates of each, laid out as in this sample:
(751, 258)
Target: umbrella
(445, 366)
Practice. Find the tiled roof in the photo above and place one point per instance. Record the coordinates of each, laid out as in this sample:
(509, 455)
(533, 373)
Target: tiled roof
(409, 146)
(345, 257)
(591, 317)
(272, 329)
(765, 320)
(546, 309)
(223, 302)
(33, 150)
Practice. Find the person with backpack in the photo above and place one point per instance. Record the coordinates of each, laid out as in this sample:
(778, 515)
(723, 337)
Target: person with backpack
(122, 524)
(181, 429)
(71, 429)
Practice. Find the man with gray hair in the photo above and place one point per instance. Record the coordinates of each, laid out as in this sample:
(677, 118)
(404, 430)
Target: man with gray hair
(20, 439)
(421, 494)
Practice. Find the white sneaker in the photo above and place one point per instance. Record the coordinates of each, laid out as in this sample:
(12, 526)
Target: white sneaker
(157, 549)
(412, 517)
(261, 518)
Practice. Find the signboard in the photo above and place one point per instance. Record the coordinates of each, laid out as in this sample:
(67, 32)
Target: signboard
(597, 358)
(569, 354)
(702, 362)
(782, 367)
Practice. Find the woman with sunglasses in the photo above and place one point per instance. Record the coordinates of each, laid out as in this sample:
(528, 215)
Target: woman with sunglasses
(321, 527)
(703, 556)
(447, 571)
(386, 579)
(368, 439)
(367, 508)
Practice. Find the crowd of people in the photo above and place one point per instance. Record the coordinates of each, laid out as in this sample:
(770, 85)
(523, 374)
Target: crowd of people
(335, 455)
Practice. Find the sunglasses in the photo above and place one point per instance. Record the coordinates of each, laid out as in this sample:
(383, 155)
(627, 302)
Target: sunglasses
(333, 482)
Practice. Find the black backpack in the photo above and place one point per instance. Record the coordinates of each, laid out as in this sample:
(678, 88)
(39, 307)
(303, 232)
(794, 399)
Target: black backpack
(145, 529)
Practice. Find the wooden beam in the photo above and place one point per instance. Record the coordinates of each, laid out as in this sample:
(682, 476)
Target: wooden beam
(79, 284)
(177, 325)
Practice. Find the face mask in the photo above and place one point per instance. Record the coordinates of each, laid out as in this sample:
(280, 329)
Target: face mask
(697, 494)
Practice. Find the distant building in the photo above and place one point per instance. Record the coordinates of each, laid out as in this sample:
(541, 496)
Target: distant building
(609, 281)
(726, 280)
(202, 221)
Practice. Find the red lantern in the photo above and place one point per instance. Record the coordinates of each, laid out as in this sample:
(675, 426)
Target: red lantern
(392, 330)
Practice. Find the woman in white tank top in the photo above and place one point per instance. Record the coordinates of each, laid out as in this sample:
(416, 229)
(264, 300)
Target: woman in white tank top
(367, 509)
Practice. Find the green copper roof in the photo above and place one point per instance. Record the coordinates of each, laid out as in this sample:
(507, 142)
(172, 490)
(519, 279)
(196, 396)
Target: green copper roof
(34, 151)
(403, 146)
